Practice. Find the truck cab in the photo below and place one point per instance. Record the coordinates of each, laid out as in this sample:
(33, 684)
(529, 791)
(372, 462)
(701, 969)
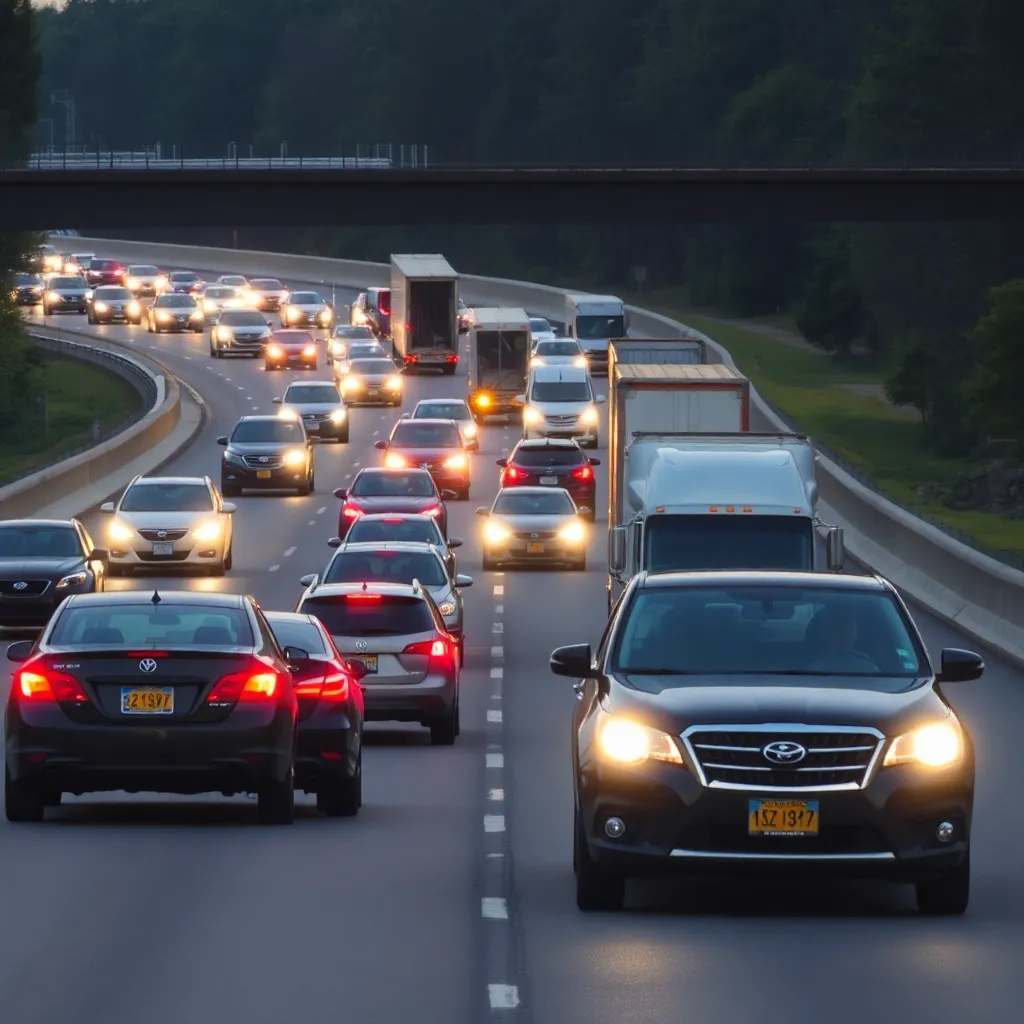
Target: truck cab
(594, 320)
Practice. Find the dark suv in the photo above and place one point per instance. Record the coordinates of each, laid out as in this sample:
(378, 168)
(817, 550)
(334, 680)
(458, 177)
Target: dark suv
(553, 462)
(267, 453)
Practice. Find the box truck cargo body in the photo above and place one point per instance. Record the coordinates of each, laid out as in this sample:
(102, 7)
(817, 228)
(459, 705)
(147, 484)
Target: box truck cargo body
(655, 351)
(499, 360)
(425, 312)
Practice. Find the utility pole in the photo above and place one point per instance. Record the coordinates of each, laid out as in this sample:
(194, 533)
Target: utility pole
(63, 98)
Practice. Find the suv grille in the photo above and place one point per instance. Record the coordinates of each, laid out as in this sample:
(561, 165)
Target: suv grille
(23, 588)
(159, 535)
(537, 535)
(264, 461)
(832, 757)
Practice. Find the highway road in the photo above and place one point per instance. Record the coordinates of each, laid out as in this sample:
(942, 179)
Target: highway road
(123, 910)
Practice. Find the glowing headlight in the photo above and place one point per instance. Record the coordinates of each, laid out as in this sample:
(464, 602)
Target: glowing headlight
(536, 361)
(134, 283)
(482, 401)
(101, 307)
(589, 416)
(573, 533)
(296, 457)
(73, 580)
(338, 416)
(53, 296)
(134, 309)
(352, 382)
(196, 314)
(338, 349)
(446, 607)
(287, 414)
(275, 351)
(255, 299)
(163, 316)
(469, 429)
(936, 746)
(161, 282)
(223, 334)
(531, 415)
(325, 315)
(495, 534)
(292, 313)
(626, 742)
(120, 533)
(456, 462)
(209, 306)
(358, 317)
(394, 461)
(309, 351)
(580, 361)
(88, 294)
(395, 383)
(207, 532)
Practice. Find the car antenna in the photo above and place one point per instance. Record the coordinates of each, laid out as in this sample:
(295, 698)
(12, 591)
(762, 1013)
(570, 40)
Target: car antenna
(156, 598)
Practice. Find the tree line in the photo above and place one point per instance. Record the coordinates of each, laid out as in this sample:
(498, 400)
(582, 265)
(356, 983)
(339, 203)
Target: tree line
(586, 81)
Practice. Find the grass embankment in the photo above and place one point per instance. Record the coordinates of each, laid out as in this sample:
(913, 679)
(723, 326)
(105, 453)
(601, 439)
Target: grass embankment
(841, 405)
(77, 394)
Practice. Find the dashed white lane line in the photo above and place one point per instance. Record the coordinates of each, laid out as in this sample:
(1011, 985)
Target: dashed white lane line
(376, 433)
(289, 552)
(503, 997)
(494, 760)
(498, 652)
(496, 795)
(312, 522)
(499, 609)
(494, 716)
(494, 908)
(497, 627)
(321, 511)
(497, 673)
(274, 568)
(494, 822)
(499, 590)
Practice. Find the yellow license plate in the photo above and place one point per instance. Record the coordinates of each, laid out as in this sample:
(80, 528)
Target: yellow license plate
(782, 817)
(370, 661)
(535, 549)
(150, 700)
(262, 474)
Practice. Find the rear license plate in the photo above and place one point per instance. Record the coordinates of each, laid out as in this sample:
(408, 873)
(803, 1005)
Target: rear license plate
(163, 548)
(262, 474)
(150, 700)
(549, 481)
(370, 661)
(782, 817)
(535, 549)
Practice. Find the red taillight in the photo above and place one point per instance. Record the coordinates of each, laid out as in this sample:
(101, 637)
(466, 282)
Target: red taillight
(331, 687)
(361, 595)
(37, 683)
(257, 682)
(583, 473)
(411, 359)
(510, 475)
(434, 511)
(148, 654)
(452, 359)
(384, 304)
(351, 511)
(440, 652)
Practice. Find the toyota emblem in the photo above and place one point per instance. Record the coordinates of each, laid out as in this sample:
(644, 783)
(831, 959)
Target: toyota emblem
(361, 646)
(147, 665)
(781, 752)
(21, 586)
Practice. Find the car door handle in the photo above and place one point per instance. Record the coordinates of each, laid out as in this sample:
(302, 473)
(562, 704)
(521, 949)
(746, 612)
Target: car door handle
(578, 689)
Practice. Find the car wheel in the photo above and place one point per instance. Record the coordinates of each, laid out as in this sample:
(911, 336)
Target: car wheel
(89, 319)
(46, 309)
(463, 493)
(596, 889)
(53, 799)
(305, 489)
(216, 570)
(23, 800)
(229, 561)
(444, 730)
(591, 444)
(947, 895)
(276, 800)
(345, 798)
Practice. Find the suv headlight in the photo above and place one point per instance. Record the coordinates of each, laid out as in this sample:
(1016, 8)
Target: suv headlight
(73, 580)
(120, 532)
(936, 746)
(496, 534)
(338, 416)
(295, 457)
(574, 533)
(446, 607)
(207, 532)
(223, 334)
(628, 743)
(532, 415)
(589, 416)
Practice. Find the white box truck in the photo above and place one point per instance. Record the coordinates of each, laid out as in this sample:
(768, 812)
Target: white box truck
(593, 320)
(425, 312)
(498, 361)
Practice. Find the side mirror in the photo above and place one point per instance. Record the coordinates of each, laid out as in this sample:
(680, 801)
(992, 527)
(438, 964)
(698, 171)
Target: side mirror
(222, 441)
(617, 548)
(107, 506)
(455, 542)
(576, 661)
(957, 666)
(483, 511)
(448, 495)
(355, 668)
(600, 399)
(270, 323)
(381, 446)
(463, 581)
(276, 401)
(405, 416)
(519, 400)
(20, 650)
(835, 548)
(501, 462)
(595, 462)
(334, 542)
(229, 507)
(472, 445)
(296, 654)
(309, 579)
(99, 555)
(341, 492)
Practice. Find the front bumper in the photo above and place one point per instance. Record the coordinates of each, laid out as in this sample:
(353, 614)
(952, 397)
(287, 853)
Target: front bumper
(570, 430)
(28, 298)
(178, 326)
(373, 396)
(186, 554)
(327, 750)
(290, 359)
(281, 478)
(306, 320)
(555, 552)
(68, 305)
(113, 316)
(675, 825)
(431, 698)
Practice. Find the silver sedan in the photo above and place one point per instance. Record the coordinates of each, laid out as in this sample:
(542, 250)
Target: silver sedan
(530, 525)
(319, 405)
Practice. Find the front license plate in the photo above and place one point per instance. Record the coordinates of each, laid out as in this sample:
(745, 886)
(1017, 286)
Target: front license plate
(535, 549)
(262, 474)
(149, 700)
(549, 481)
(782, 817)
(163, 548)
(370, 661)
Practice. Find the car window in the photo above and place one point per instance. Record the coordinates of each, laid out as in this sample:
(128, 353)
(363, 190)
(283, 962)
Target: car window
(548, 457)
(518, 503)
(67, 282)
(141, 271)
(268, 284)
(442, 411)
(31, 541)
(393, 484)
(410, 434)
(306, 299)
(312, 394)
(344, 331)
(414, 531)
(275, 431)
(372, 366)
(560, 391)
(111, 292)
(167, 497)
(175, 301)
(297, 633)
(368, 614)
(242, 318)
(557, 348)
(148, 625)
(387, 566)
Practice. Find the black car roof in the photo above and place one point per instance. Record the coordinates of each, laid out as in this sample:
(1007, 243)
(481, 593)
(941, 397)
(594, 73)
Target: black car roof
(750, 578)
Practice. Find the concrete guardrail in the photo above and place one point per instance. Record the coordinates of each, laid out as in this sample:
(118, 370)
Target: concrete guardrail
(973, 592)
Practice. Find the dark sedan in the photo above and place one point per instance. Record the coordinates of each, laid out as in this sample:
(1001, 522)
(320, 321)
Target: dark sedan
(773, 722)
(28, 289)
(434, 445)
(553, 462)
(267, 453)
(392, 490)
(329, 756)
(42, 561)
(179, 692)
(175, 313)
(186, 282)
(114, 304)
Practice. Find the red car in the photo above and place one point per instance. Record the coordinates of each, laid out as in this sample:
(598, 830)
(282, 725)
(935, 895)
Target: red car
(101, 272)
(290, 348)
(434, 445)
(553, 462)
(392, 490)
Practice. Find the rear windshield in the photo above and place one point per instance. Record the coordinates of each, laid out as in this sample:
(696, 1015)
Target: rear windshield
(39, 542)
(357, 616)
(267, 284)
(364, 366)
(561, 391)
(393, 484)
(410, 434)
(512, 503)
(442, 411)
(167, 498)
(415, 531)
(386, 567)
(112, 292)
(296, 633)
(277, 431)
(548, 457)
(148, 625)
(306, 299)
(67, 282)
(557, 348)
(352, 332)
(184, 275)
(175, 301)
(102, 264)
(321, 394)
(241, 318)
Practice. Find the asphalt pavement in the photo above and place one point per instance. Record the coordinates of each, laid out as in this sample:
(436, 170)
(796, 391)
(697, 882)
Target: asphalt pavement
(450, 899)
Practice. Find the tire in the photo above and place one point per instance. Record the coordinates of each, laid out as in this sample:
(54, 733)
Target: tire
(305, 489)
(947, 895)
(53, 799)
(444, 730)
(229, 561)
(344, 798)
(462, 494)
(596, 889)
(590, 444)
(214, 351)
(90, 320)
(276, 800)
(23, 801)
(216, 570)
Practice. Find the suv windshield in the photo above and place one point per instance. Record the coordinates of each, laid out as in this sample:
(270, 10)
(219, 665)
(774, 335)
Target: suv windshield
(442, 411)
(102, 264)
(393, 484)
(67, 282)
(143, 271)
(167, 497)
(148, 626)
(409, 434)
(312, 394)
(353, 332)
(360, 353)
(560, 391)
(242, 318)
(512, 503)
(390, 616)
(220, 292)
(548, 457)
(306, 299)
(266, 284)
(276, 431)
(557, 348)
(364, 366)
(762, 631)
(181, 276)
(538, 324)
(386, 567)
(39, 542)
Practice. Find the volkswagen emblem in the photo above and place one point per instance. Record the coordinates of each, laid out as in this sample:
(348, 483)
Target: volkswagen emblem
(781, 752)
(147, 665)
(264, 458)
(21, 585)
(361, 646)
(161, 533)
